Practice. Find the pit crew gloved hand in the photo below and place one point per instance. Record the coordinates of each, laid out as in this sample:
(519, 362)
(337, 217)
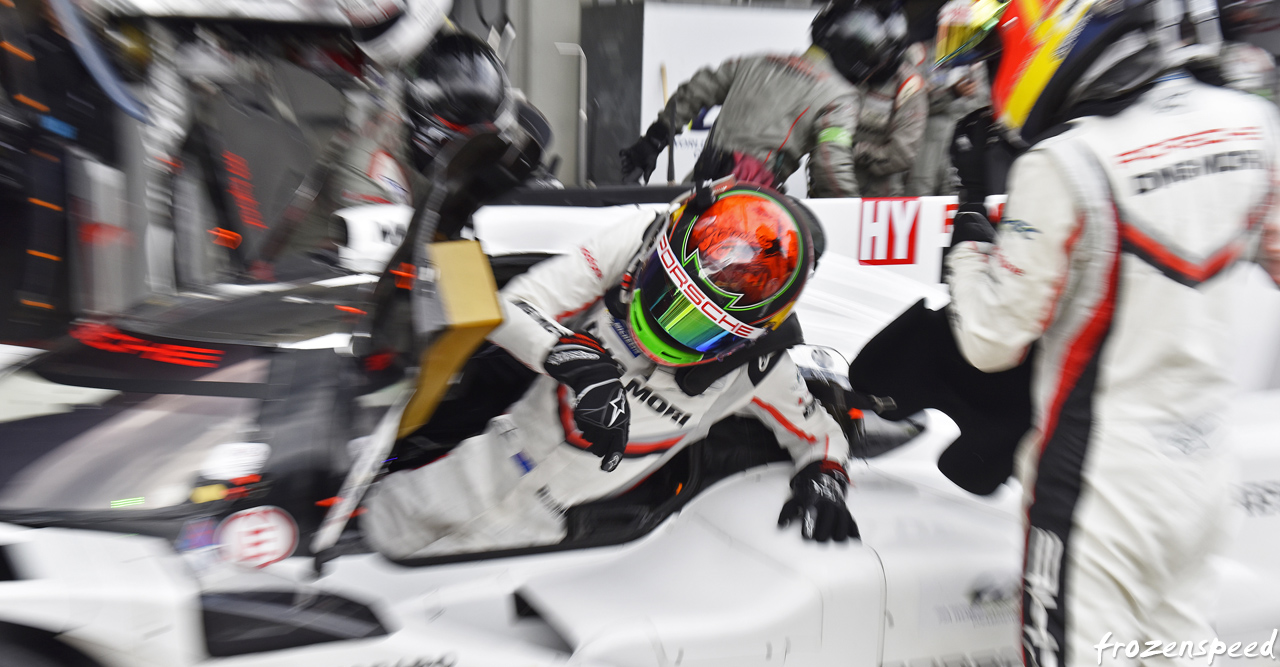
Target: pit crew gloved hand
(600, 411)
(969, 144)
(972, 226)
(817, 499)
(642, 156)
(969, 154)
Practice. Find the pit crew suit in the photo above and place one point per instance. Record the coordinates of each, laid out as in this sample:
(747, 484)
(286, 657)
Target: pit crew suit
(1120, 241)
(510, 486)
(775, 109)
(932, 173)
(891, 124)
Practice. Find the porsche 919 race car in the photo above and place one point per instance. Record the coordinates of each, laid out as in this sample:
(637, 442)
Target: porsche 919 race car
(180, 486)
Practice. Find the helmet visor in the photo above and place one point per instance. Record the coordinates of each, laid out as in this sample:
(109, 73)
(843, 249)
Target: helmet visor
(963, 28)
(674, 322)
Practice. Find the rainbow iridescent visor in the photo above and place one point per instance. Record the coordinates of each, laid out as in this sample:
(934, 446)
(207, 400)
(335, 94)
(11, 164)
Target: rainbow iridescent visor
(963, 26)
(674, 322)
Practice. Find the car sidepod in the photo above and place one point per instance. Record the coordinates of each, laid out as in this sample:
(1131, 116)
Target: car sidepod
(118, 599)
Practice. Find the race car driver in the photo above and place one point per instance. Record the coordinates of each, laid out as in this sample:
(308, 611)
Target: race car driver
(777, 108)
(644, 339)
(1126, 219)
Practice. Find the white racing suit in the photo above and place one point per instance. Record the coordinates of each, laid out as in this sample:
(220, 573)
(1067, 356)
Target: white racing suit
(1120, 243)
(509, 486)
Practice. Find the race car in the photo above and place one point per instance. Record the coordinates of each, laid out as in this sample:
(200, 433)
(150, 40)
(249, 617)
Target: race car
(181, 486)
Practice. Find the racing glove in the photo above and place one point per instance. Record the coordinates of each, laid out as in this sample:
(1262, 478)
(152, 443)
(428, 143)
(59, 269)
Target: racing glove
(969, 155)
(642, 156)
(970, 225)
(817, 498)
(600, 409)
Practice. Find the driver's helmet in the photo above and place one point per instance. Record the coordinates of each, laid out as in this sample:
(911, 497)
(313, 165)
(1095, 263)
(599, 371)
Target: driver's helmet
(457, 85)
(720, 275)
(864, 40)
(1056, 55)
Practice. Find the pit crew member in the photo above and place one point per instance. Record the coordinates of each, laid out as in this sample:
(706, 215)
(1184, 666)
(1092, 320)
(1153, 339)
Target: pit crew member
(894, 111)
(1141, 192)
(775, 109)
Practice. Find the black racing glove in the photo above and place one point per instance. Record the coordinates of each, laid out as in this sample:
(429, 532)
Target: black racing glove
(971, 224)
(642, 156)
(969, 154)
(817, 497)
(600, 409)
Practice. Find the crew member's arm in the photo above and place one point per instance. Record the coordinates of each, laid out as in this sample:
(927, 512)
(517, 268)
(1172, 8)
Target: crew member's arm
(906, 132)
(1003, 295)
(1269, 250)
(831, 171)
(534, 304)
(706, 88)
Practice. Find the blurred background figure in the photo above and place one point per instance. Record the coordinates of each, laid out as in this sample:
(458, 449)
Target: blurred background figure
(1249, 68)
(456, 85)
(953, 93)
(775, 109)
(163, 147)
(1245, 65)
(891, 122)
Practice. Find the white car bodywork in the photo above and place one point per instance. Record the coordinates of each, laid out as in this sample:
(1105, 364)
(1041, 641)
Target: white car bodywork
(934, 581)
(717, 584)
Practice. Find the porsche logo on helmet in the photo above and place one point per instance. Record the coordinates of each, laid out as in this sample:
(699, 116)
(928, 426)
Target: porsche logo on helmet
(684, 283)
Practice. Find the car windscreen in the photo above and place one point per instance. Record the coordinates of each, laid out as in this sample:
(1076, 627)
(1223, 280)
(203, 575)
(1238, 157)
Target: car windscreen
(111, 421)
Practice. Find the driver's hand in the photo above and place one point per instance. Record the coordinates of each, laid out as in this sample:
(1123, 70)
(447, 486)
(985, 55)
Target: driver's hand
(817, 500)
(600, 409)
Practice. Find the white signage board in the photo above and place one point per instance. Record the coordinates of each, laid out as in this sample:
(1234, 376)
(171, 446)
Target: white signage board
(901, 235)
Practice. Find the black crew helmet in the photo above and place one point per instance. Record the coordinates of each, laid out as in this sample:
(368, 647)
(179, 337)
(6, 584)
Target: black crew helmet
(1245, 20)
(456, 84)
(865, 40)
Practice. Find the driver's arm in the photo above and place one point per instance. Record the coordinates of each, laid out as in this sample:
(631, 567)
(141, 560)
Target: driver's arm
(783, 403)
(535, 304)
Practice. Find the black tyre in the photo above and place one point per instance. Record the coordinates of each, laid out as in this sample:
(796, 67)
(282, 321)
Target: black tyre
(17, 655)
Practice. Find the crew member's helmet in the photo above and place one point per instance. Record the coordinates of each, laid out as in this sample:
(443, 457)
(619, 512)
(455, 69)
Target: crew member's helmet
(720, 275)
(865, 41)
(456, 85)
(1243, 20)
(1057, 55)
